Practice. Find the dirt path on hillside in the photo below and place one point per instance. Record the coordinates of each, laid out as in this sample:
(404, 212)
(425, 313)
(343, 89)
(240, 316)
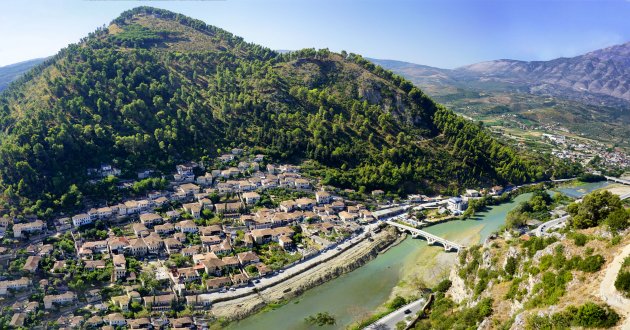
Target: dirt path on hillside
(609, 293)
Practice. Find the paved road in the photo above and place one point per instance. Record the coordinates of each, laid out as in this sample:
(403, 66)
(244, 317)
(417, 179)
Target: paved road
(544, 227)
(618, 180)
(390, 320)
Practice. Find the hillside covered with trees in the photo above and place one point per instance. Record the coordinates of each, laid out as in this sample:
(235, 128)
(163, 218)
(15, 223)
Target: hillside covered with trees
(155, 88)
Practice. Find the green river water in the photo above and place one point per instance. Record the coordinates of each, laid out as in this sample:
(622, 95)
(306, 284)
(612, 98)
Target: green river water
(353, 296)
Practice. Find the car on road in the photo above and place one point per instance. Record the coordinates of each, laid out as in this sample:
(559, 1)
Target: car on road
(232, 289)
(407, 311)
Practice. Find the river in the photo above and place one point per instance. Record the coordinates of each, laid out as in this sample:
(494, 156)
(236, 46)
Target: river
(353, 296)
(582, 189)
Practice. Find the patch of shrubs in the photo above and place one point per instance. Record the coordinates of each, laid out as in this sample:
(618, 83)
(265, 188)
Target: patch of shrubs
(535, 244)
(591, 264)
(589, 315)
(580, 239)
(397, 302)
(510, 266)
(550, 289)
(443, 286)
(622, 283)
(321, 319)
(514, 292)
(445, 315)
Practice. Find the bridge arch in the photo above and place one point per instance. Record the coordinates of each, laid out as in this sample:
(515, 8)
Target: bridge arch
(430, 238)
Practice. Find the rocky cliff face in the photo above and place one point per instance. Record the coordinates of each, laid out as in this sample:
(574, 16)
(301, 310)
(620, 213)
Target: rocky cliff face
(531, 276)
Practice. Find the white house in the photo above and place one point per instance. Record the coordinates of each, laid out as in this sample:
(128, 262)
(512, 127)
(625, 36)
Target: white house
(81, 219)
(187, 226)
(104, 212)
(251, 198)
(63, 298)
(115, 319)
(457, 205)
(302, 184)
(259, 158)
(150, 219)
(226, 158)
(18, 284)
(205, 180)
(322, 197)
(29, 227)
(132, 207)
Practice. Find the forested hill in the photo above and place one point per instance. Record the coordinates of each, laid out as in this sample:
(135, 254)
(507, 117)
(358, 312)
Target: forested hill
(155, 88)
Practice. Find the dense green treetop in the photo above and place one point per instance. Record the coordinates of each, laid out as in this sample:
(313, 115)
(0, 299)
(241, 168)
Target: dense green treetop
(595, 208)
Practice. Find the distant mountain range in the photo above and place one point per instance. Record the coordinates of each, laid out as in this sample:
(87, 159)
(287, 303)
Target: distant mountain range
(600, 77)
(11, 72)
(587, 94)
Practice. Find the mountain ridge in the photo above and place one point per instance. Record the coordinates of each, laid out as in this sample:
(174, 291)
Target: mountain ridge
(604, 71)
(11, 72)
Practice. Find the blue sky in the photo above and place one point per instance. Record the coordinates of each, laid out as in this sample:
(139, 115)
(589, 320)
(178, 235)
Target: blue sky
(443, 33)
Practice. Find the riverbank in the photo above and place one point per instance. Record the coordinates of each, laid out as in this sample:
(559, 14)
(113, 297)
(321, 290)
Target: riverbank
(618, 189)
(400, 239)
(429, 266)
(351, 259)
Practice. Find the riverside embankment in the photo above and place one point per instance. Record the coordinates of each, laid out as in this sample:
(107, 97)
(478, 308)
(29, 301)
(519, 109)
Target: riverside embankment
(353, 258)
